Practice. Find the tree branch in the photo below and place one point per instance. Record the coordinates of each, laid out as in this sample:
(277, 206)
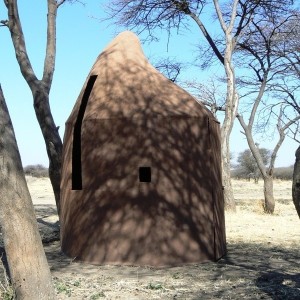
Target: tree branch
(282, 134)
(257, 101)
(208, 37)
(59, 3)
(49, 62)
(252, 146)
(17, 36)
(233, 15)
(4, 23)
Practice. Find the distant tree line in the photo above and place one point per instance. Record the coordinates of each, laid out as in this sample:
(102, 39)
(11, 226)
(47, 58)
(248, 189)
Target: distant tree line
(36, 171)
(246, 167)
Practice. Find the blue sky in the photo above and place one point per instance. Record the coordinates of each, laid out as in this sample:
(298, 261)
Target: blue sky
(80, 38)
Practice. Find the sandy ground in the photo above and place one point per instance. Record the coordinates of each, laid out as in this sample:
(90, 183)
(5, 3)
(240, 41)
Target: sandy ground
(262, 260)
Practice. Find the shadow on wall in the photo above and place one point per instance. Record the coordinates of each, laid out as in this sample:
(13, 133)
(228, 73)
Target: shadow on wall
(141, 176)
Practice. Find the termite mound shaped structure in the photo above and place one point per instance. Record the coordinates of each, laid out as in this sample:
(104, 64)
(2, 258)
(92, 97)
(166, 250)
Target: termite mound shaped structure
(141, 177)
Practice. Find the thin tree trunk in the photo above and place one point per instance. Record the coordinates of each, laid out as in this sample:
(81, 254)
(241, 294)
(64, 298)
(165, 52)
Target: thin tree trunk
(228, 191)
(230, 114)
(232, 99)
(269, 205)
(40, 88)
(296, 182)
(51, 137)
(29, 270)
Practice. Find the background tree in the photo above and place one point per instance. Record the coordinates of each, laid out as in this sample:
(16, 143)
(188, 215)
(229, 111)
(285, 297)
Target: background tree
(247, 164)
(28, 267)
(288, 49)
(40, 88)
(233, 18)
(265, 33)
(168, 15)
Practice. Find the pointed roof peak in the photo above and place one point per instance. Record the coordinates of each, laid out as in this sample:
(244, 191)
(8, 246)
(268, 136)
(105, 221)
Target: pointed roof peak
(127, 86)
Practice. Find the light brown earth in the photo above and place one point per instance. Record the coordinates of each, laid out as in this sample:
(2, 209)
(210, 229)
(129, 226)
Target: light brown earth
(262, 260)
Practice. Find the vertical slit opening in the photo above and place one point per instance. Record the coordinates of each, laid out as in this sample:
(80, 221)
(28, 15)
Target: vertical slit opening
(76, 152)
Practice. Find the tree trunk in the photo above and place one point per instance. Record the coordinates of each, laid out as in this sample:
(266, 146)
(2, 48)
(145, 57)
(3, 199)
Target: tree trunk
(228, 191)
(40, 88)
(51, 137)
(232, 99)
(230, 114)
(269, 205)
(28, 267)
(296, 182)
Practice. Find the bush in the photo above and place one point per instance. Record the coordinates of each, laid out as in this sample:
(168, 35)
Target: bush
(284, 173)
(36, 171)
(246, 166)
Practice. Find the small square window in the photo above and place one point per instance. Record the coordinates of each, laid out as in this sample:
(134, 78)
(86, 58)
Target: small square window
(145, 174)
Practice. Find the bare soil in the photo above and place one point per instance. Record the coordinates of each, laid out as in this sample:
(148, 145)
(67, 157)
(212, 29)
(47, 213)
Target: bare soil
(262, 260)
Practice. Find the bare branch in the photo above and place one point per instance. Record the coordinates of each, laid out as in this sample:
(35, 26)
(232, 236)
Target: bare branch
(207, 93)
(282, 135)
(17, 36)
(257, 100)
(59, 3)
(49, 62)
(4, 23)
(170, 68)
(220, 16)
(208, 38)
(252, 145)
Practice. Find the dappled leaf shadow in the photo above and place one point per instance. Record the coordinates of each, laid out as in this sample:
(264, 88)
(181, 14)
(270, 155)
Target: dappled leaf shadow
(279, 285)
(249, 271)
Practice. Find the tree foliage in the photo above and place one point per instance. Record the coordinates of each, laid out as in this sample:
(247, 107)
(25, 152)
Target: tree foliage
(247, 163)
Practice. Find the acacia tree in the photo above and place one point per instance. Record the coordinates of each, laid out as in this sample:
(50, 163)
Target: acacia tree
(28, 267)
(260, 49)
(149, 15)
(289, 50)
(233, 18)
(292, 101)
(247, 164)
(40, 88)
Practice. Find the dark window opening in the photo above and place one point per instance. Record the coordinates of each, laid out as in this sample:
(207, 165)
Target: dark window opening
(145, 174)
(76, 153)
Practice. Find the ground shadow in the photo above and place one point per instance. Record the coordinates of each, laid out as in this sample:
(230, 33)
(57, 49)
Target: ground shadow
(279, 285)
(249, 271)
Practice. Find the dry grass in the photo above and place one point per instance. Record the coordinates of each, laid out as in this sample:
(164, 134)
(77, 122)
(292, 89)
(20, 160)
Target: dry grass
(251, 224)
(262, 261)
(6, 290)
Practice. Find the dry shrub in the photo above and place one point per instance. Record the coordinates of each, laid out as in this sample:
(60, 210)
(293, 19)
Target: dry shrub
(253, 206)
(284, 173)
(36, 171)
